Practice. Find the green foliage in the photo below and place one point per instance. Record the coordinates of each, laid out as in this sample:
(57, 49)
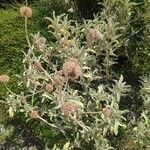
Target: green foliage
(12, 42)
(101, 122)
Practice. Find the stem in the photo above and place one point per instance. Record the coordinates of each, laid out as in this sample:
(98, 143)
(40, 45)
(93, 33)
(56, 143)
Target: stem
(26, 32)
(52, 125)
(46, 73)
(79, 123)
(26, 2)
(42, 119)
(66, 84)
(91, 112)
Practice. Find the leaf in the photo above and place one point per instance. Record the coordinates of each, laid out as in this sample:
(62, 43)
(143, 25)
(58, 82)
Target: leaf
(91, 50)
(146, 119)
(78, 103)
(11, 112)
(88, 76)
(116, 127)
(66, 146)
(47, 96)
(120, 80)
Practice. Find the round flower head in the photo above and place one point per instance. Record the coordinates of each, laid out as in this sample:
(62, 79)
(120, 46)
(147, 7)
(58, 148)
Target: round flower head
(40, 42)
(57, 80)
(93, 36)
(4, 79)
(70, 107)
(26, 11)
(107, 112)
(71, 69)
(49, 87)
(38, 66)
(33, 114)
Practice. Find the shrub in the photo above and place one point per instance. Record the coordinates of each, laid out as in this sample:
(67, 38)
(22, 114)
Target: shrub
(72, 87)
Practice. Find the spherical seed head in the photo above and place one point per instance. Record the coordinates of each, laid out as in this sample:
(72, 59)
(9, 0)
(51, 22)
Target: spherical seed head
(107, 112)
(40, 41)
(70, 107)
(4, 79)
(34, 114)
(38, 66)
(71, 69)
(93, 36)
(26, 11)
(49, 87)
(57, 80)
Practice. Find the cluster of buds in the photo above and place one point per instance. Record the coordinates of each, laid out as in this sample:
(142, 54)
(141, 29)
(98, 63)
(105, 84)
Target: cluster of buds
(33, 114)
(26, 11)
(107, 112)
(38, 66)
(4, 79)
(93, 36)
(49, 87)
(58, 78)
(71, 69)
(40, 42)
(69, 107)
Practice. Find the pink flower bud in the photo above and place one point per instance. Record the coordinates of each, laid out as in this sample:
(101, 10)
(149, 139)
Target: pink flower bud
(69, 107)
(93, 36)
(4, 78)
(107, 112)
(26, 11)
(71, 69)
(49, 87)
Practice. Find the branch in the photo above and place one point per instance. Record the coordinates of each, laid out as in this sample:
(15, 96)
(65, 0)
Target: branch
(79, 123)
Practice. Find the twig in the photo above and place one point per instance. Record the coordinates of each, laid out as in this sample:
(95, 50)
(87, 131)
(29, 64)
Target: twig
(42, 119)
(91, 112)
(79, 123)
(26, 2)
(26, 32)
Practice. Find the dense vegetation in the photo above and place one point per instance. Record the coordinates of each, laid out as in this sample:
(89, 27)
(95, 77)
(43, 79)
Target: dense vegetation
(133, 62)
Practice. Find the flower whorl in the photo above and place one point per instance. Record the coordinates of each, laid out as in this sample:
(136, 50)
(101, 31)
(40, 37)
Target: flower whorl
(26, 11)
(4, 78)
(71, 69)
(69, 107)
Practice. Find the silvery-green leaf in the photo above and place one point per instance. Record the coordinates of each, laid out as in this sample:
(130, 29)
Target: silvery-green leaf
(66, 146)
(11, 111)
(78, 103)
(116, 127)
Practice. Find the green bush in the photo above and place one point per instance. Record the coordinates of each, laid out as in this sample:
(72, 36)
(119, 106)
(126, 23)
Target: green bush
(133, 47)
(12, 42)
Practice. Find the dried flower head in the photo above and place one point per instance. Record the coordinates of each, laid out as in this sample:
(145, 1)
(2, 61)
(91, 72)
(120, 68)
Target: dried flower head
(38, 66)
(69, 107)
(107, 112)
(26, 11)
(57, 80)
(40, 41)
(33, 114)
(71, 69)
(4, 78)
(93, 36)
(49, 87)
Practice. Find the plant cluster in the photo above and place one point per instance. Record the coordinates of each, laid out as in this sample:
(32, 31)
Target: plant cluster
(70, 84)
